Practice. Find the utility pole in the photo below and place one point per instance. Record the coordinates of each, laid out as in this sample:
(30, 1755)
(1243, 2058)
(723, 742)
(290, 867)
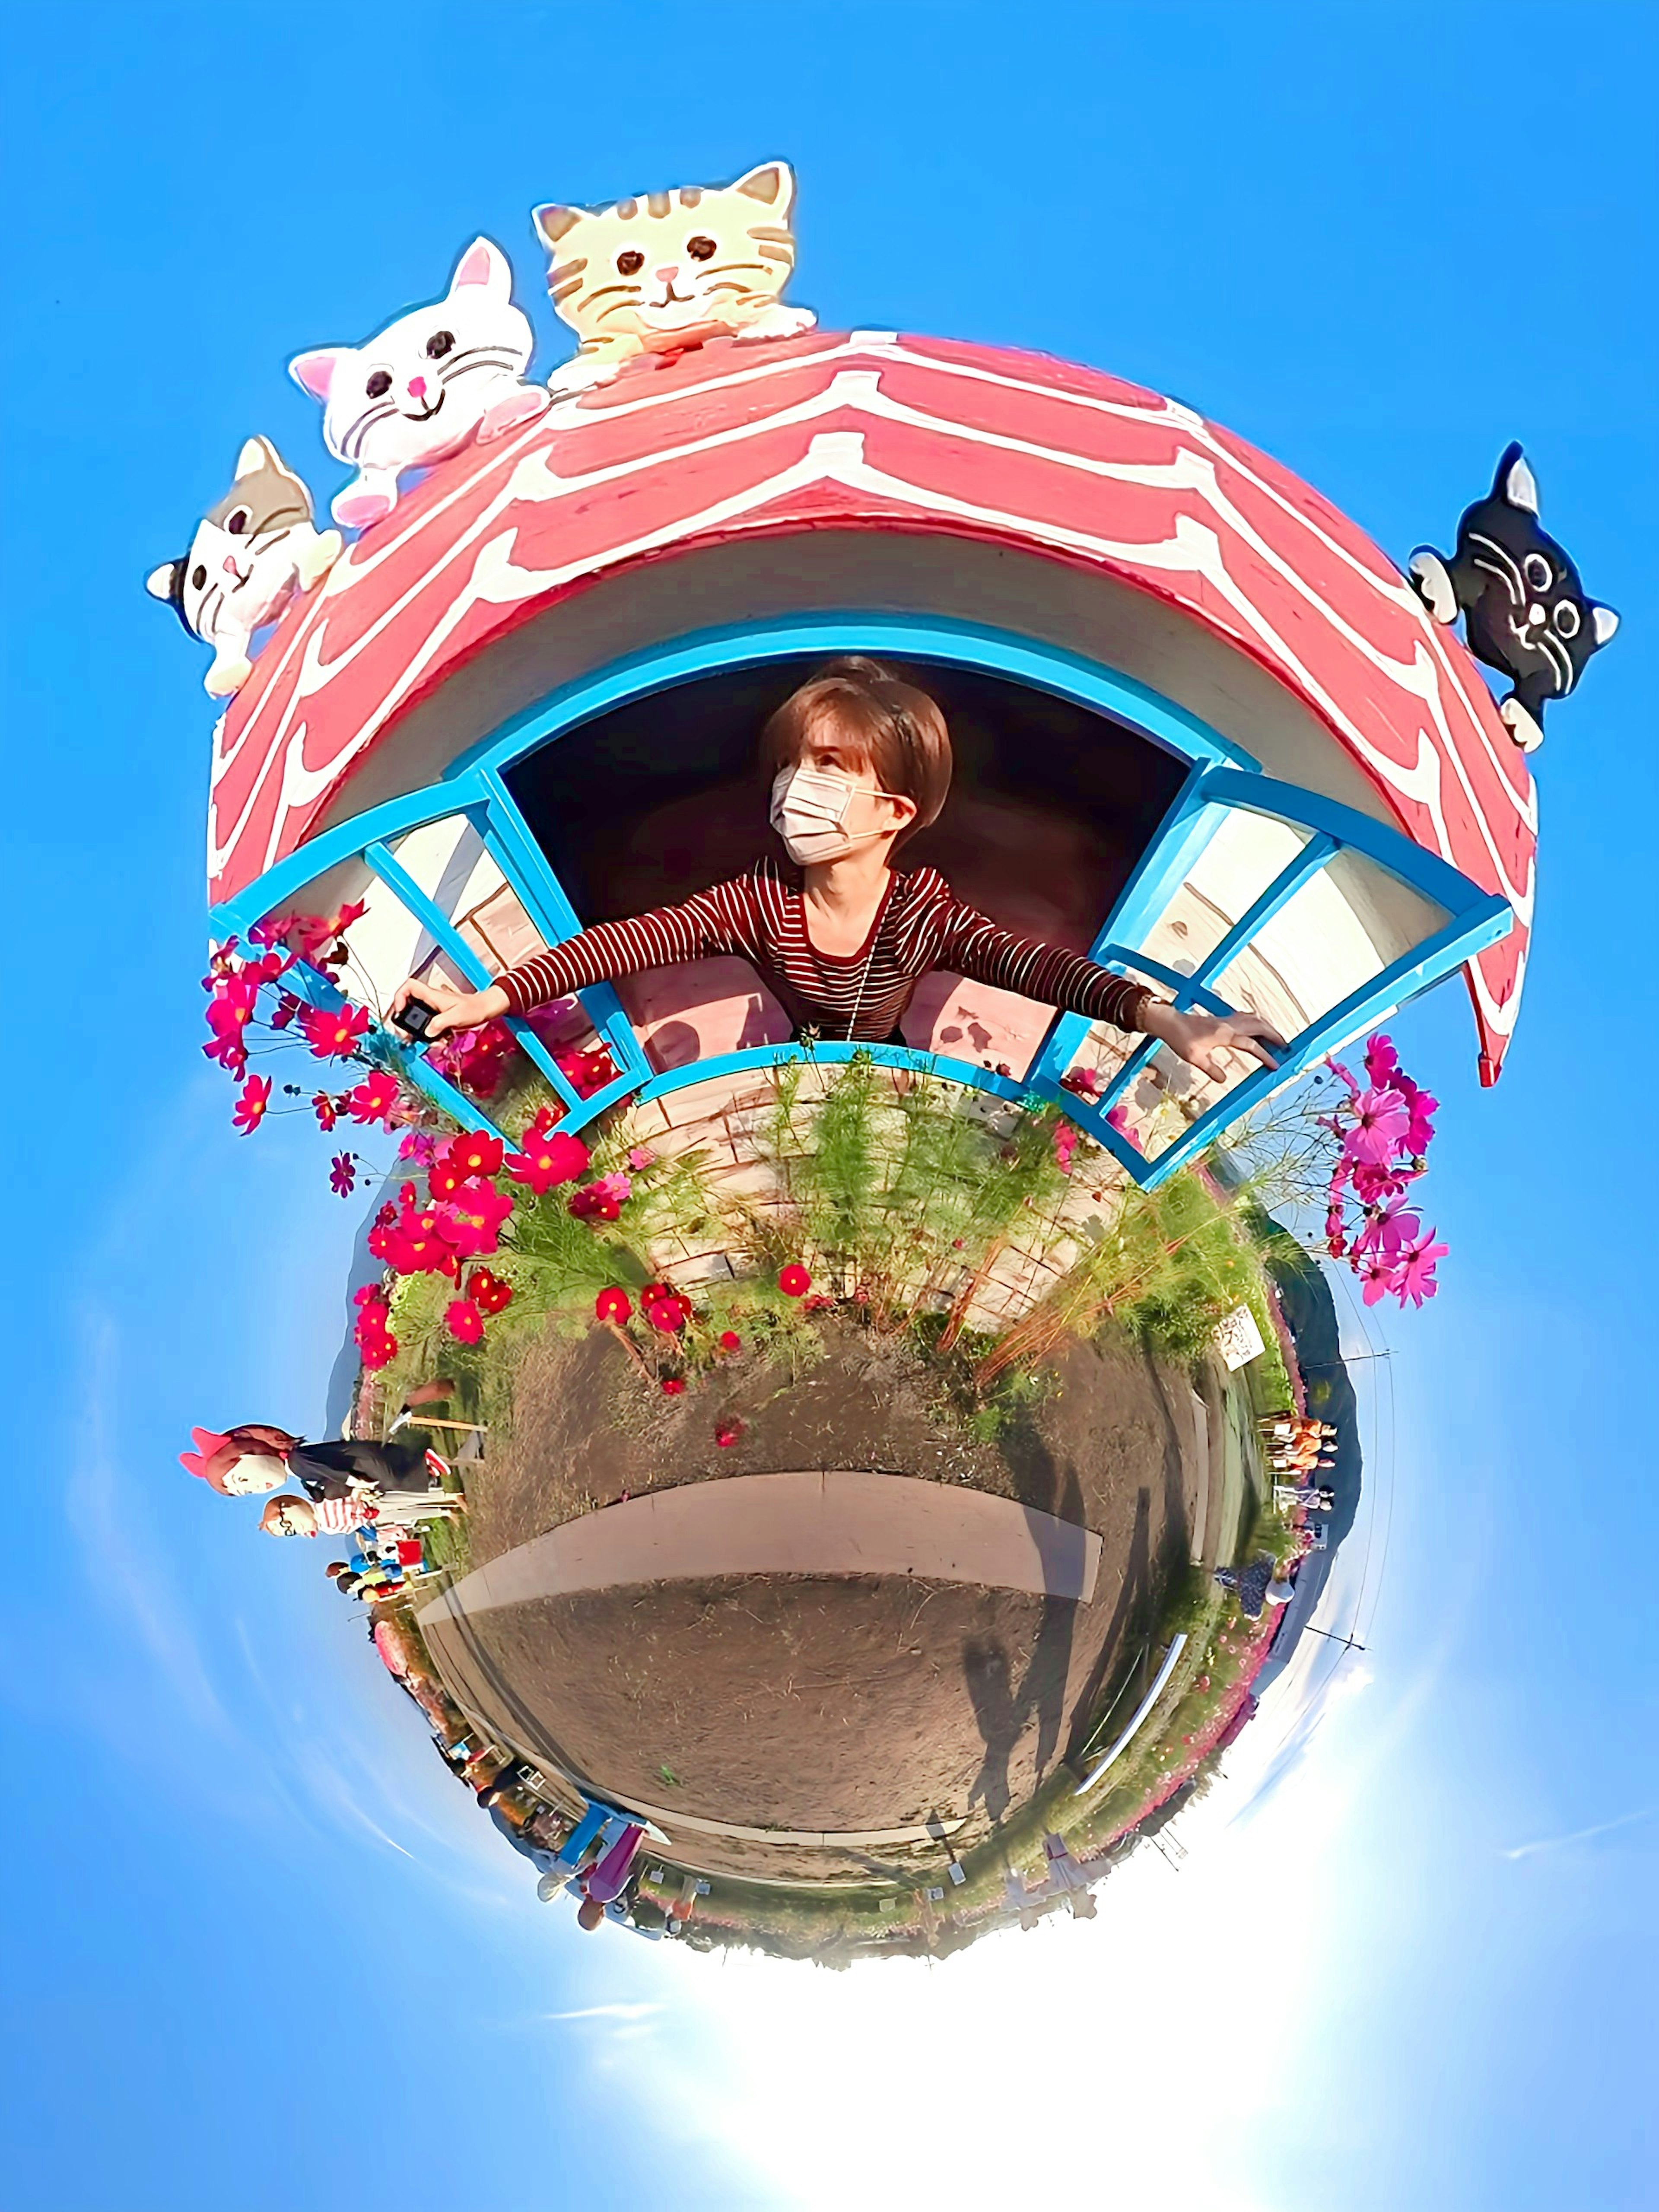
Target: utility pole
(1348, 1643)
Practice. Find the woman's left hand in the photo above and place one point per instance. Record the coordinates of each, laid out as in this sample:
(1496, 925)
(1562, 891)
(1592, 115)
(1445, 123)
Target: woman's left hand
(1200, 1038)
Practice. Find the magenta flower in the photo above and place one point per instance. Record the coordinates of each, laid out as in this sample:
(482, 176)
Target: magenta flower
(419, 1145)
(342, 1175)
(250, 1103)
(1376, 1186)
(1380, 1121)
(1416, 1271)
(1378, 1277)
(472, 1222)
(1421, 1110)
(1387, 1231)
(1382, 1062)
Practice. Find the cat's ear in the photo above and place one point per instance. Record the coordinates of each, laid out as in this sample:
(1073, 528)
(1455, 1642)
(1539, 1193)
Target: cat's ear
(553, 222)
(483, 267)
(1603, 622)
(163, 583)
(773, 184)
(315, 371)
(1515, 483)
(258, 453)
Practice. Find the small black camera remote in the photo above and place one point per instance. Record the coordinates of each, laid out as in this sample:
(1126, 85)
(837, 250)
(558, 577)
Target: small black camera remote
(415, 1017)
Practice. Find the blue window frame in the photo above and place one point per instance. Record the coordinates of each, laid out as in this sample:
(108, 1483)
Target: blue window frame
(1222, 780)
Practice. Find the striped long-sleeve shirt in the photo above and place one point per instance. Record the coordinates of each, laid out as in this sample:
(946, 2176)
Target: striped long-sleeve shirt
(919, 926)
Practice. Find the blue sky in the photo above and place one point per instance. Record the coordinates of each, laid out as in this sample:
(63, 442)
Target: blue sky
(258, 1945)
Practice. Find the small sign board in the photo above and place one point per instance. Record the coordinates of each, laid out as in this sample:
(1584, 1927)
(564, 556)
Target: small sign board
(1237, 1338)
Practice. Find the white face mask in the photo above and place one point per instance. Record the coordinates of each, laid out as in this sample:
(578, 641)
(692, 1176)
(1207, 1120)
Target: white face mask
(255, 1472)
(809, 809)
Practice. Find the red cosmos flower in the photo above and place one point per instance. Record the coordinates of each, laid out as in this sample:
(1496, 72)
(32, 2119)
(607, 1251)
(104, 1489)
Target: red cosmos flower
(229, 1052)
(728, 1433)
(541, 1120)
(669, 1314)
(370, 1295)
(464, 1321)
(549, 1157)
(418, 1242)
(613, 1305)
(673, 1386)
(342, 1175)
(332, 1031)
(377, 1352)
(730, 1341)
(793, 1280)
(474, 1155)
(286, 1007)
(250, 1103)
(593, 1203)
(488, 1292)
(374, 1099)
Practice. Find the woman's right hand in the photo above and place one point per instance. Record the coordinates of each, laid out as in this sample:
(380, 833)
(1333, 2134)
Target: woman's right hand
(456, 1010)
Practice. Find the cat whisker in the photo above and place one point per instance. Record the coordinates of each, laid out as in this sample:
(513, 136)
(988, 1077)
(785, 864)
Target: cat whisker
(352, 443)
(1505, 566)
(602, 291)
(1560, 662)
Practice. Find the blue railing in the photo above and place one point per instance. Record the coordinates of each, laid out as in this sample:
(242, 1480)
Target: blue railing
(1220, 780)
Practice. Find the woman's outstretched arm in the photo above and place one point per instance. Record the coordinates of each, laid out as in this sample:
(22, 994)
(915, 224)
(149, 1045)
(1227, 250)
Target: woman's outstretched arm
(973, 945)
(710, 922)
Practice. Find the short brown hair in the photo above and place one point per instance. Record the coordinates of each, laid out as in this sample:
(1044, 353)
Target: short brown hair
(893, 724)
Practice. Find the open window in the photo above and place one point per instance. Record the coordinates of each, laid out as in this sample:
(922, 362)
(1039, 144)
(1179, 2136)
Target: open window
(1052, 806)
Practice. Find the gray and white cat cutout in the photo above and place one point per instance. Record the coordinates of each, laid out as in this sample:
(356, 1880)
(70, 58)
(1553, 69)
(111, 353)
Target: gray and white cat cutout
(426, 386)
(249, 555)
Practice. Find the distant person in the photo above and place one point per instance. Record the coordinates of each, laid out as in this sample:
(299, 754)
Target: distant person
(254, 1458)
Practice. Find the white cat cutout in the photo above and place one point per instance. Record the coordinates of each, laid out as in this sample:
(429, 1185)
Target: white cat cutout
(251, 553)
(426, 386)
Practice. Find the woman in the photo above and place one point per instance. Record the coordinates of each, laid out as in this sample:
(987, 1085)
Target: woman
(860, 760)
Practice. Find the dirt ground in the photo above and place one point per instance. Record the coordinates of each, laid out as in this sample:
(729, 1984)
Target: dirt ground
(820, 1704)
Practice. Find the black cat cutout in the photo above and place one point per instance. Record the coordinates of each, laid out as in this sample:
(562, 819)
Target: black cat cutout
(1525, 611)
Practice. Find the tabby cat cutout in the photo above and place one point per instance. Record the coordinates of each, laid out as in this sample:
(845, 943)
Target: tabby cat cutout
(668, 271)
(250, 555)
(1525, 612)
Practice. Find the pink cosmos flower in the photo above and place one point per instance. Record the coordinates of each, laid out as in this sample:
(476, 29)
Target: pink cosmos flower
(1083, 1080)
(549, 1157)
(332, 1032)
(250, 1103)
(1380, 1121)
(472, 1222)
(1415, 1280)
(1422, 1110)
(342, 1175)
(1378, 1277)
(1118, 1119)
(464, 1321)
(640, 1158)
(1382, 1061)
(1064, 1145)
(419, 1145)
(374, 1099)
(1377, 1186)
(613, 1305)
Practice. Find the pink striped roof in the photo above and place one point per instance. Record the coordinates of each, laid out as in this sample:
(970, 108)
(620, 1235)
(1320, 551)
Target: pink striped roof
(874, 431)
